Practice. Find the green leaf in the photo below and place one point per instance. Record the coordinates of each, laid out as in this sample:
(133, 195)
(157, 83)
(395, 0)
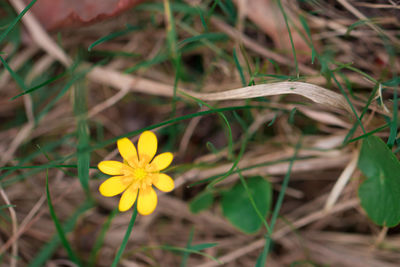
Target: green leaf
(380, 192)
(237, 207)
(201, 202)
(61, 233)
(202, 246)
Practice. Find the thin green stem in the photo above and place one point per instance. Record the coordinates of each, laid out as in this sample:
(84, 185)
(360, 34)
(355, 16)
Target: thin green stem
(126, 237)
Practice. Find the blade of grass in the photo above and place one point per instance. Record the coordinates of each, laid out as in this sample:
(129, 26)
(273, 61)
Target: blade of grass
(364, 111)
(13, 74)
(47, 250)
(290, 37)
(192, 251)
(170, 121)
(63, 91)
(83, 157)
(209, 36)
(60, 230)
(225, 120)
(239, 68)
(262, 259)
(50, 146)
(126, 237)
(16, 20)
(53, 79)
(100, 239)
(175, 55)
(253, 203)
(129, 28)
(186, 254)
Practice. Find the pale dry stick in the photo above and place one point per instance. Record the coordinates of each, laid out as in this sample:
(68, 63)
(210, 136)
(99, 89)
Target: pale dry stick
(29, 216)
(342, 206)
(277, 169)
(109, 102)
(323, 117)
(315, 93)
(61, 262)
(361, 16)
(14, 223)
(29, 224)
(338, 28)
(39, 35)
(344, 256)
(113, 78)
(7, 49)
(260, 120)
(282, 232)
(188, 133)
(370, 5)
(19, 138)
(43, 40)
(41, 66)
(25, 131)
(25, 225)
(16, 62)
(280, 168)
(123, 89)
(28, 104)
(381, 236)
(342, 181)
(260, 49)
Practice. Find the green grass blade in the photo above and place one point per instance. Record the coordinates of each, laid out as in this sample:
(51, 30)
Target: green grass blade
(261, 261)
(47, 148)
(13, 74)
(83, 157)
(48, 250)
(60, 230)
(16, 20)
(209, 36)
(100, 238)
(113, 35)
(60, 94)
(370, 133)
(170, 121)
(290, 37)
(224, 119)
(253, 203)
(186, 254)
(239, 68)
(53, 79)
(364, 111)
(126, 237)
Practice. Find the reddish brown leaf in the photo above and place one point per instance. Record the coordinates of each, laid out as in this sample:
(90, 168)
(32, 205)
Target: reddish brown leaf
(268, 17)
(55, 14)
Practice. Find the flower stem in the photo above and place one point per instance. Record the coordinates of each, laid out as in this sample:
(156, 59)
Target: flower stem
(126, 237)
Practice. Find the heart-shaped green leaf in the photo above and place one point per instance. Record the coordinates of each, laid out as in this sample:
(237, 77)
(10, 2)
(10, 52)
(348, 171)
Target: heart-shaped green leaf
(237, 208)
(380, 192)
(201, 202)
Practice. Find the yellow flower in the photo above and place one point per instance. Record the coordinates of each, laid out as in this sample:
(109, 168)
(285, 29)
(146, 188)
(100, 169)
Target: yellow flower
(136, 176)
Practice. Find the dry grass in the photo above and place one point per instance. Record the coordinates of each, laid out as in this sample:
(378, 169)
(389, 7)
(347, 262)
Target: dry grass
(321, 222)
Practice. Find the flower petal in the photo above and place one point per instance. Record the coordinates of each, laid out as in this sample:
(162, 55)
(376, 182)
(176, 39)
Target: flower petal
(111, 167)
(164, 182)
(147, 146)
(128, 198)
(113, 186)
(128, 151)
(162, 161)
(147, 201)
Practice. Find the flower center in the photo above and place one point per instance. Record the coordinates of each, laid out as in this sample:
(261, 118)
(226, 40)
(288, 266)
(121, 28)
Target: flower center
(139, 173)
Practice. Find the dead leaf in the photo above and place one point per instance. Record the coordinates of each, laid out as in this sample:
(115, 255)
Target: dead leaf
(54, 14)
(268, 17)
